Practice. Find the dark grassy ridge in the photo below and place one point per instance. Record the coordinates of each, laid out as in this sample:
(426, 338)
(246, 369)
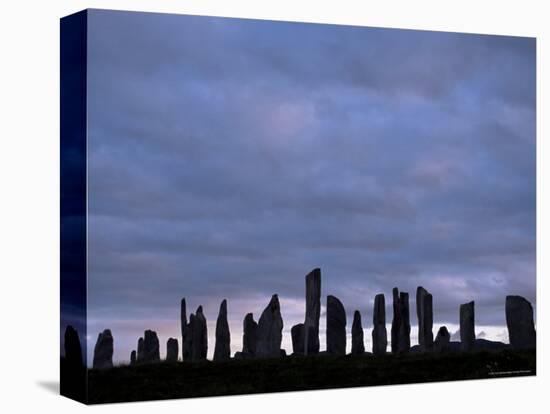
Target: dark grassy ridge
(183, 380)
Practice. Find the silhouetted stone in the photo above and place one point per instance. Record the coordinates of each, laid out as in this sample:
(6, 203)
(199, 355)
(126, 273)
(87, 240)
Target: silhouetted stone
(73, 349)
(379, 331)
(199, 344)
(185, 337)
(187, 346)
(151, 348)
(190, 334)
(357, 340)
(336, 326)
(313, 312)
(250, 335)
(172, 350)
(282, 353)
(270, 330)
(140, 354)
(133, 357)
(297, 334)
(442, 340)
(103, 350)
(401, 326)
(424, 313)
(395, 323)
(519, 319)
(467, 326)
(222, 350)
(183, 318)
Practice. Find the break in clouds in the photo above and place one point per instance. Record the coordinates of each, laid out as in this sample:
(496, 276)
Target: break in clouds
(227, 158)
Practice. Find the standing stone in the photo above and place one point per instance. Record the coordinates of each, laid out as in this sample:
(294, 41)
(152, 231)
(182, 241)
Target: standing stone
(396, 322)
(140, 354)
(199, 342)
(336, 326)
(185, 337)
(103, 350)
(172, 350)
(187, 346)
(467, 326)
(222, 350)
(313, 312)
(297, 334)
(183, 318)
(133, 358)
(401, 325)
(379, 331)
(424, 313)
(405, 329)
(357, 340)
(250, 335)
(73, 349)
(191, 334)
(270, 330)
(202, 324)
(151, 348)
(442, 340)
(519, 319)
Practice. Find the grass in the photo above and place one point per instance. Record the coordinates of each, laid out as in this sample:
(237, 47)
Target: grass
(201, 379)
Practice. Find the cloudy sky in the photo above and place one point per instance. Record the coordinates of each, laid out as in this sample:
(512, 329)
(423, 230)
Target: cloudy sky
(227, 158)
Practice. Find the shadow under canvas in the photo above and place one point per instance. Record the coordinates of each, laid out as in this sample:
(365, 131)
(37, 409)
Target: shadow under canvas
(51, 386)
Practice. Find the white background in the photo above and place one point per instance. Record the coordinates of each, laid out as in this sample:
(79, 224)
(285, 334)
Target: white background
(29, 204)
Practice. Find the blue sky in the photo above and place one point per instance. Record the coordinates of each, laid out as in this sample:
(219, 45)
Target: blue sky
(227, 158)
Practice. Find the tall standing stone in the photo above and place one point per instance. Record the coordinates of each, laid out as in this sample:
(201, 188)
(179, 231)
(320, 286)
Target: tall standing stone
(357, 339)
(313, 312)
(396, 322)
(521, 326)
(379, 331)
(222, 350)
(270, 330)
(336, 326)
(250, 335)
(73, 349)
(151, 347)
(187, 346)
(424, 313)
(199, 344)
(103, 350)
(185, 337)
(467, 326)
(140, 352)
(191, 334)
(133, 357)
(297, 334)
(172, 350)
(401, 325)
(183, 318)
(405, 330)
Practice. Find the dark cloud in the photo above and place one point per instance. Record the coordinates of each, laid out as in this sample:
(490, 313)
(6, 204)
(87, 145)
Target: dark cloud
(228, 157)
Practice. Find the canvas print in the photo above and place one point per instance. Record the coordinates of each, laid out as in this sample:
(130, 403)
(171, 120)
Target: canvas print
(252, 206)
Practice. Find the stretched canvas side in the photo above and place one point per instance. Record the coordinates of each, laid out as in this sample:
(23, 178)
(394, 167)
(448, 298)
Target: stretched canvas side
(73, 45)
